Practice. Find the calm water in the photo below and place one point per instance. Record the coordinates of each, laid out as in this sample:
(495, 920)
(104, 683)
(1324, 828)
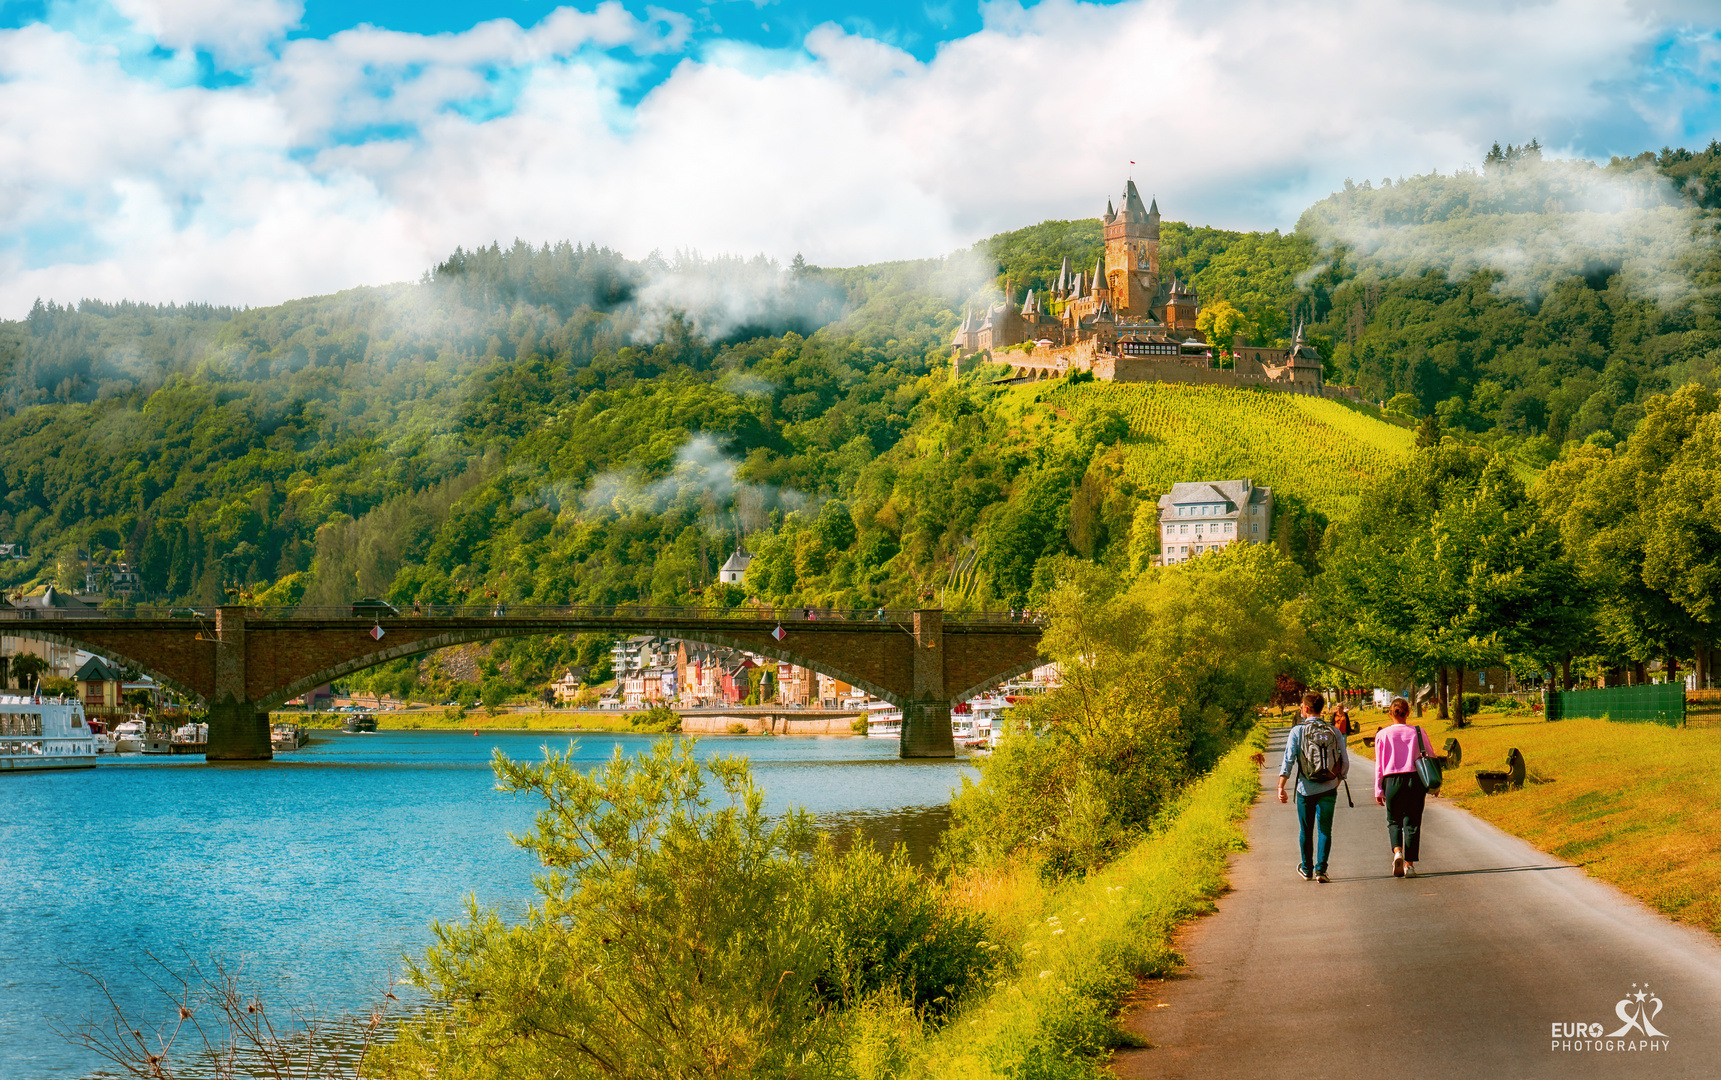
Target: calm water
(313, 875)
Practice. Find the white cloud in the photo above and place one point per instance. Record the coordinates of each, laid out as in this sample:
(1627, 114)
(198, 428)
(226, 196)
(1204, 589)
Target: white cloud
(368, 156)
(237, 32)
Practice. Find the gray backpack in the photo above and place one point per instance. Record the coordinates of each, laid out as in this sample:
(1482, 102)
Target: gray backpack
(1321, 754)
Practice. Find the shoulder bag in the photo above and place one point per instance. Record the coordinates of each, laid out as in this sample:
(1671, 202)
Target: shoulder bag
(1427, 767)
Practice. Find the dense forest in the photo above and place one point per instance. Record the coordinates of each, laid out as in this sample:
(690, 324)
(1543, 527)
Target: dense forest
(561, 424)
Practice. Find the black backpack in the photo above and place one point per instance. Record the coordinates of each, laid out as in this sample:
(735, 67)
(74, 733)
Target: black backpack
(1321, 754)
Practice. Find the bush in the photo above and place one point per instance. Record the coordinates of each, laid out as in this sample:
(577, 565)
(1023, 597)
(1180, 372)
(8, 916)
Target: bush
(658, 718)
(59, 686)
(858, 725)
(1472, 704)
(678, 938)
(737, 728)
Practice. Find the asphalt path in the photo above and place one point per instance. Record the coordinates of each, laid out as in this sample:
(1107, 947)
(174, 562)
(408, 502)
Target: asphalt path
(1460, 972)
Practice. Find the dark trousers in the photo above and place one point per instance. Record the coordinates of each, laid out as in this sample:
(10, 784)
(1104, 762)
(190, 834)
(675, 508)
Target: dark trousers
(1315, 827)
(1405, 797)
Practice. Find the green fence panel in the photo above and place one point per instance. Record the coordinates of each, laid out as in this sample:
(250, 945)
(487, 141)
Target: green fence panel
(1656, 703)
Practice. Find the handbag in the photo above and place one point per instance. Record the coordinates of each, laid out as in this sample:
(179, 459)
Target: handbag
(1427, 766)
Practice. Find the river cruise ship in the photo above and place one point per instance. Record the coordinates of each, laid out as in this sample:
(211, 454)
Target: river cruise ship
(44, 733)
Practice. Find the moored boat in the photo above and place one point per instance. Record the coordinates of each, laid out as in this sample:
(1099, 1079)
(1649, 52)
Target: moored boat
(363, 722)
(130, 736)
(883, 721)
(44, 733)
(284, 737)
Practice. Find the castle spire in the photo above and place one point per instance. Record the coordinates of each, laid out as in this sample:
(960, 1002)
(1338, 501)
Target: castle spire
(1099, 271)
(1063, 286)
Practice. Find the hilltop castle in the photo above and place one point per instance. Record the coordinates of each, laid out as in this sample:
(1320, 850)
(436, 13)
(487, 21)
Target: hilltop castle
(1124, 321)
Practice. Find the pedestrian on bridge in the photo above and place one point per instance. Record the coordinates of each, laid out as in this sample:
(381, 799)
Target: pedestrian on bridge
(1319, 753)
(1398, 787)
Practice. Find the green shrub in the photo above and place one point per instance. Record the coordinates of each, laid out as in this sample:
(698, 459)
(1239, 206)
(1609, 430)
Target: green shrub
(886, 930)
(1472, 704)
(658, 718)
(736, 727)
(679, 937)
(858, 725)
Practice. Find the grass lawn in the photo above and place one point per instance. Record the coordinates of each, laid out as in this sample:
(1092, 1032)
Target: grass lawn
(1638, 805)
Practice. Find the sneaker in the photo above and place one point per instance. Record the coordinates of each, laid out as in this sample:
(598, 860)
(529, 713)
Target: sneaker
(1409, 869)
(1397, 865)
(1304, 874)
(1322, 877)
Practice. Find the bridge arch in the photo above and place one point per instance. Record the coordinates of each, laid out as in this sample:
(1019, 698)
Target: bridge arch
(420, 646)
(36, 631)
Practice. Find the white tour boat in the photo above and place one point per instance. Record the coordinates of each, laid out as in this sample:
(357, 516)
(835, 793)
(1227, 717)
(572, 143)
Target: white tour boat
(44, 733)
(883, 720)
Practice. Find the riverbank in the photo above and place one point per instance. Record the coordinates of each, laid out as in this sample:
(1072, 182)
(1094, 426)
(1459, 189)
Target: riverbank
(714, 723)
(1637, 805)
(1079, 948)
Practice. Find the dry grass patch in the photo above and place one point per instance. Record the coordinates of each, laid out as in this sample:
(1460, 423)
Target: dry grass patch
(1638, 805)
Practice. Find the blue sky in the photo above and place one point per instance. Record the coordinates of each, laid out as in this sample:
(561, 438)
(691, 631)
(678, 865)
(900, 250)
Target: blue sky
(247, 151)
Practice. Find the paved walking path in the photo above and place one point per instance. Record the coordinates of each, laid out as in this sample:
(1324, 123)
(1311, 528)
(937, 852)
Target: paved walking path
(1458, 973)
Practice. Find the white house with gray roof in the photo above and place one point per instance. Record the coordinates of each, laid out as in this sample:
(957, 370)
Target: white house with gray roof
(734, 571)
(1212, 514)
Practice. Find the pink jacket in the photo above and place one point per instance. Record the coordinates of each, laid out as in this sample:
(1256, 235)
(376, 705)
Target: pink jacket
(1394, 753)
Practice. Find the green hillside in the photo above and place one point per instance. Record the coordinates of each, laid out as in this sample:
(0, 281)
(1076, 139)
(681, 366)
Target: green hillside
(1319, 451)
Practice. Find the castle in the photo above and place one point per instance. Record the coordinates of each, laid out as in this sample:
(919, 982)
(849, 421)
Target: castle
(1125, 322)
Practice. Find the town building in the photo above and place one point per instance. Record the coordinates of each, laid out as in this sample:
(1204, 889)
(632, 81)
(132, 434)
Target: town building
(1125, 321)
(1212, 514)
(734, 569)
(100, 687)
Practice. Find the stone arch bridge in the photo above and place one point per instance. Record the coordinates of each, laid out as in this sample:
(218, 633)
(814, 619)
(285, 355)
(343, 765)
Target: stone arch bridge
(241, 662)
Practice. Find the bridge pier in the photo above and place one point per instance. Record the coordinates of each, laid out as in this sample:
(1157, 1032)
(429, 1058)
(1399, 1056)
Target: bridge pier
(926, 714)
(237, 731)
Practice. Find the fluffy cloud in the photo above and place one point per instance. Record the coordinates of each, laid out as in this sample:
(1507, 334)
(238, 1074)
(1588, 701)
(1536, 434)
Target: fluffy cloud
(368, 156)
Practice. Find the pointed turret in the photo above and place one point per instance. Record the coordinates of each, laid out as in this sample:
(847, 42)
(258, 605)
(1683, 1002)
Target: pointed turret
(1099, 271)
(1030, 306)
(1132, 202)
(1063, 286)
(1110, 213)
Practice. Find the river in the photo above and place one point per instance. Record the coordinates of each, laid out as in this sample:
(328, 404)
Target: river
(311, 876)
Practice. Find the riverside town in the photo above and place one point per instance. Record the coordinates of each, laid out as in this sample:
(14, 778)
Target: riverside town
(624, 542)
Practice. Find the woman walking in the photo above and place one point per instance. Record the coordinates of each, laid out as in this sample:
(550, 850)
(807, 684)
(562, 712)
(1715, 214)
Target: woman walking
(1398, 787)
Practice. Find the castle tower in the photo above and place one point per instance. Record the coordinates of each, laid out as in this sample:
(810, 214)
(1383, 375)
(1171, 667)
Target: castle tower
(1181, 307)
(1132, 255)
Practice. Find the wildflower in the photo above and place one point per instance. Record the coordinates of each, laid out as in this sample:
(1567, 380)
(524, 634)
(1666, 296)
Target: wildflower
(1043, 974)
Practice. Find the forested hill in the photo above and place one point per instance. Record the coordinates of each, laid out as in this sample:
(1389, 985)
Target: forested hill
(564, 424)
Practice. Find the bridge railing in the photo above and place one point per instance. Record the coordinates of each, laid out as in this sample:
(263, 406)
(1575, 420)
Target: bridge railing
(615, 613)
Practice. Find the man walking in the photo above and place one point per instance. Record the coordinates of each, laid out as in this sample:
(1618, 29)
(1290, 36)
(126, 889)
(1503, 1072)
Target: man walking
(1322, 761)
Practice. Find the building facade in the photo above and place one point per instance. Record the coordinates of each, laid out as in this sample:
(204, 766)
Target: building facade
(1210, 515)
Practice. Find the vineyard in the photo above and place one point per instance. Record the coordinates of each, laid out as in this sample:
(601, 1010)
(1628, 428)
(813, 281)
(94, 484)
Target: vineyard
(1320, 450)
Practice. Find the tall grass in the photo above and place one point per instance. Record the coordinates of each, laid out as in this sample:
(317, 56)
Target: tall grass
(1073, 950)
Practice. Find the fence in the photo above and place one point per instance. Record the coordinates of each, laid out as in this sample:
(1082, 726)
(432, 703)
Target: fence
(1657, 703)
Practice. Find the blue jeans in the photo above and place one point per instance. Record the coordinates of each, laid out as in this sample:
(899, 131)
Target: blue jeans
(1315, 828)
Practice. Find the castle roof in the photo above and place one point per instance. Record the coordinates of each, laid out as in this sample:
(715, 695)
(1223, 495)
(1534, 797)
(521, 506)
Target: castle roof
(1132, 203)
(1030, 304)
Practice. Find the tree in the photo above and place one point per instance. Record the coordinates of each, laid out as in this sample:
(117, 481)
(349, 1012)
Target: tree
(26, 667)
(1641, 524)
(1219, 322)
(1449, 566)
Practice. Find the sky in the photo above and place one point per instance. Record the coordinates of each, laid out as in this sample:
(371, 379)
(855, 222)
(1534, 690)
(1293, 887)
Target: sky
(252, 151)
